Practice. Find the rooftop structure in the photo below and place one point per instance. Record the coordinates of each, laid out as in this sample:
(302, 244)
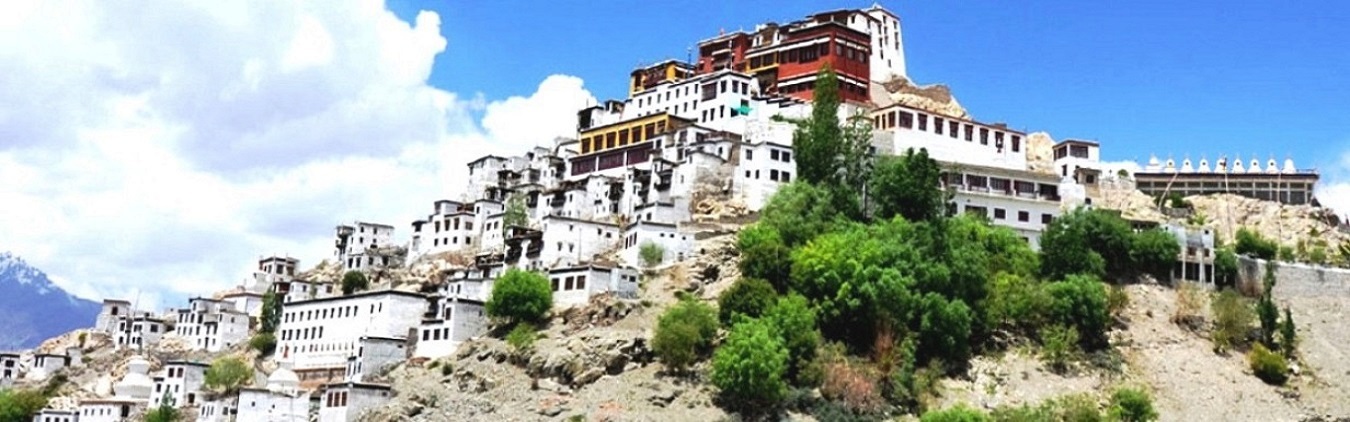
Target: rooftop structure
(1285, 184)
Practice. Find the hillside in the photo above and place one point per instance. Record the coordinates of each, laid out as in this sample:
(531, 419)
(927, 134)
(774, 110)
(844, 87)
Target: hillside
(33, 309)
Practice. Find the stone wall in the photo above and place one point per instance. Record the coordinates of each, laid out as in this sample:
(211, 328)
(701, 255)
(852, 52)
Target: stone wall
(1295, 280)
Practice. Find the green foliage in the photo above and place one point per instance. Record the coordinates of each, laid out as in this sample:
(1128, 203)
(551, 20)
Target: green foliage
(795, 321)
(800, 211)
(447, 369)
(1117, 299)
(958, 413)
(1287, 254)
(1318, 255)
(520, 296)
(1266, 311)
(264, 342)
(817, 141)
(749, 297)
(82, 338)
(1232, 319)
(764, 255)
(651, 254)
(270, 317)
(1267, 365)
(1175, 200)
(1059, 346)
(19, 405)
(1132, 405)
(1251, 243)
(907, 185)
(228, 374)
(750, 367)
(1016, 303)
(354, 281)
(522, 336)
(1080, 302)
(1069, 408)
(1288, 334)
(165, 412)
(1154, 252)
(515, 214)
(1225, 267)
(1086, 241)
(944, 329)
(684, 333)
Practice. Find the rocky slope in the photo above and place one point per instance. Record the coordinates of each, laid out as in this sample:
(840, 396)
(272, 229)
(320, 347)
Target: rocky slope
(32, 308)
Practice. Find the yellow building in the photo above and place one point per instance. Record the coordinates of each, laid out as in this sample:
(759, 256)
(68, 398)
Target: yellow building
(628, 132)
(666, 71)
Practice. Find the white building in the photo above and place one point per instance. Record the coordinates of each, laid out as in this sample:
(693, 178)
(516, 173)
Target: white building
(342, 402)
(1023, 201)
(374, 355)
(139, 331)
(675, 245)
(273, 269)
(318, 336)
(281, 401)
(55, 415)
(9, 368)
(952, 139)
(218, 409)
(247, 302)
(575, 285)
(212, 325)
(1195, 262)
(131, 395)
(297, 290)
(112, 312)
(354, 243)
(46, 364)
(458, 314)
(180, 382)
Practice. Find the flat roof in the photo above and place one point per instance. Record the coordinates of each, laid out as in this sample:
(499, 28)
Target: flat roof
(389, 292)
(188, 363)
(358, 385)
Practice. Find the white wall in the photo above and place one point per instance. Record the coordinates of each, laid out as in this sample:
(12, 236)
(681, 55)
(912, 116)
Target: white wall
(323, 333)
(943, 147)
(1011, 206)
(264, 405)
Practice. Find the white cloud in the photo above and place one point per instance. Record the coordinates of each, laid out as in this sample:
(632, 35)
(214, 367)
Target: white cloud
(1334, 189)
(162, 149)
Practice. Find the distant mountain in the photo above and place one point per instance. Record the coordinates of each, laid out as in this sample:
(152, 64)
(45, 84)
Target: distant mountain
(33, 309)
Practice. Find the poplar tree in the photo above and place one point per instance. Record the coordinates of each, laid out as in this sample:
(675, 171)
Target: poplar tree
(817, 140)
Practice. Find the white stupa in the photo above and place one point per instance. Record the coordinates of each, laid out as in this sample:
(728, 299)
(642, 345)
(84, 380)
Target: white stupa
(1222, 165)
(135, 384)
(283, 380)
(1255, 167)
(1204, 165)
(1186, 166)
(1153, 165)
(1171, 165)
(1289, 166)
(1271, 168)
(1237, 165)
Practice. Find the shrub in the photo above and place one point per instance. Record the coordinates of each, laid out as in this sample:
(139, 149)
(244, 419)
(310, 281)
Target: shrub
(19, 405)
(1267, 365)
(522, 337)
(1154, 252)
(764, 256)
(264, 342)
(750, 367)
(166, 412)
(1232, 319)
(82, 337)
(958, 413)
(520, 296)
(852, 386)
(1080, 302)
(270, 316)
(1251, 243)
(905, 185)
(1190, 304)
(683, 333)
(1225, 267)
(1086, 241)
(1059, 346)
(1287, 254)
(944, 329)
(354, 281)
(447, 369)
(651, 254)
(748, 296)
(795, 321)
(1288, 334)
(1016, 302)
(228, 374)
(1132, 405)
(1076, 408)
(1117, 299)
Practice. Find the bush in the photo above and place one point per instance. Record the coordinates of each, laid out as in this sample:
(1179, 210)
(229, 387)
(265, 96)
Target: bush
(1059, 346)
(520, 296)
(166, 412)
(228, 374)
(750, 367)
(958, 413)
(264, 342)
(522, 337)
(270, 316)
(1267, 365)
(1251, 243)
(19, 405)
(795, 321)
(764, 256)
(1232, 320)
(1190, 304)
(944, 330)
(748, 296)
(1080, 302)
(651, 254)
(1155, 252)
(1117, 299)
(1016, 302)
(447, 369)
(1076, 408)
(354, 281)
(1288, 334)
(852, 386)
(1132, 405)
(684, 333)
(1225, 267)
(1086, 241)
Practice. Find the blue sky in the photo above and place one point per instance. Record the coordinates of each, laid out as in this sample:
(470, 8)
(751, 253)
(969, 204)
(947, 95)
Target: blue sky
(1198, 77)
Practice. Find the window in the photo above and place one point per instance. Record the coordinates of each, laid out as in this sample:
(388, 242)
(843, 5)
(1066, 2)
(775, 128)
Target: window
(1000, 214)
(906, 120)
(923, 122)
(955, 127)
(1046, 218)
(749, 155)
(970, 132)
(1023, 216)
(937, 125)
(984, 136)
(786, 176)
(773, 175)
(773, 154)
(581, 282)
(1016, 143)
(787, 156)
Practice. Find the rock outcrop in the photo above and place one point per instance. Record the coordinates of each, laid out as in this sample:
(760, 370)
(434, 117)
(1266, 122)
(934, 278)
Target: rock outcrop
(935, 98)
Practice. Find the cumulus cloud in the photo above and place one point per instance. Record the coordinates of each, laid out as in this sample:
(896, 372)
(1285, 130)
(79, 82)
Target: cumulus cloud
(164, 148)
(1334, 190)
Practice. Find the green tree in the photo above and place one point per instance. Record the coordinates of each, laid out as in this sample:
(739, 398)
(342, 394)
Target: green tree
(944, 330)
(908, 185)
(1080, 301)
(354, 281)
(1267, 365)
(1251, 243)
(1016, 303)
(795, 321)
(800, 211)
(1266, 311)
(1086, 241)
(684, 333)
(764, 256)
(515, 214)
(1155, 252)
(749, 297)
(166, 412)
(19, 405)
(1059, 346)
(265, 343)
(818, 140)
(520, 296)
(1288, 334)
(751, 367)
(522, 337)
(270, 317)
(227, 375)
(1232, 319)
(1225, 267)
(958, 413)
(651, 254)
(1132, 405)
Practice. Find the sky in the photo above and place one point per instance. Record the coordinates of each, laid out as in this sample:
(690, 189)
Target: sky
(156, 150)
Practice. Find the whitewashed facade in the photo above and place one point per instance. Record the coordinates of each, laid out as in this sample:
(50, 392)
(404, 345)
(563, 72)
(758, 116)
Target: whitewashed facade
(342, 402)
(212, 325)
(318, 336)
(181, 382)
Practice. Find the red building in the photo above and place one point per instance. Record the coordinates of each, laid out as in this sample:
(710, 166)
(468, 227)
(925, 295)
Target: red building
(786, 59)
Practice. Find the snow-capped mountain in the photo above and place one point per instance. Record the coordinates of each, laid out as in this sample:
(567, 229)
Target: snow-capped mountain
(33, 309)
